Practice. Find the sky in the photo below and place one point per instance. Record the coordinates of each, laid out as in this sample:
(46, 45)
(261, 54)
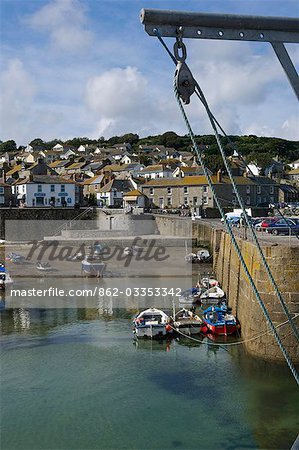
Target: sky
(71, 68)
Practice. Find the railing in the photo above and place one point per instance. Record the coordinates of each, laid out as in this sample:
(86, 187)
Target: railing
(68, 224)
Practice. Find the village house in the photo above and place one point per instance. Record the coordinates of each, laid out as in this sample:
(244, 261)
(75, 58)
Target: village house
(155, 171)
(193, 191)
(293, 175)
(111, 194)
(134, 199)
(46, 190)
(181, 172)
(288, 193)
(92, 186)
(294, 164)
(5, 194)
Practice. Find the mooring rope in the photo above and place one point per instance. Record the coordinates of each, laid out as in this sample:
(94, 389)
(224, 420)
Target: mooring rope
(213, 122)
(231, 344)
(233, 239)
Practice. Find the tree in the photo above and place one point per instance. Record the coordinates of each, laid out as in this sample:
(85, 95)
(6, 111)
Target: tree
(8, 146)
(36, 142)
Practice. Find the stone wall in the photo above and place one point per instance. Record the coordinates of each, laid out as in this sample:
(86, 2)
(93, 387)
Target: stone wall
(33, 215)
(284, 264)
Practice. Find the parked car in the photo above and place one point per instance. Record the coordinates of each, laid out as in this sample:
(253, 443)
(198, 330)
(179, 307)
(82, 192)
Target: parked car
(266, 222)
(283, 226)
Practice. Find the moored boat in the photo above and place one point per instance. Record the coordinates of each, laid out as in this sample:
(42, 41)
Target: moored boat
(93, 269)
(187, 322)
(212, 295)
(44, 266)
(190, 296)
(220, 320)
(5, 277)
(152, 323)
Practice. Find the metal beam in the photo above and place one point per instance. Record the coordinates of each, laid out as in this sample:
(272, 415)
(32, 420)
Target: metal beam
(287, 65)
(220, 26)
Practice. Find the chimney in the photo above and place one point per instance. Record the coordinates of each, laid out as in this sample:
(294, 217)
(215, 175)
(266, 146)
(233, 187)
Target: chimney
(219, 176)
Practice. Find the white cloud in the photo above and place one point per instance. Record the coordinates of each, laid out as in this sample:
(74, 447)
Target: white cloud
(65, 22)
(17, 95)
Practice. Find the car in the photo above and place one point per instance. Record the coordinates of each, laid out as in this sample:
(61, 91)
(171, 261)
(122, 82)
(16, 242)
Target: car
(266, 222)
(283, 226)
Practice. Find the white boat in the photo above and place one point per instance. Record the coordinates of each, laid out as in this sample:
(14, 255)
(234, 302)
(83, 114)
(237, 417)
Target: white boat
(44, 266)
(213, 293)
(208, 282)
(152, 323)
(93, 269)
(203, 255)
(134, 250)
(187, 323)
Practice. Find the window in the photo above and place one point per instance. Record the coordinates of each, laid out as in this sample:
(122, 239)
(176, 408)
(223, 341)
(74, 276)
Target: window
(185, 200)
(247, 189)
(95, 187)
(52, 187)
(151, 191)
(169, 201)
(271, 199)
(205, 189)
(194, 201)
(62, 188)
(271, 189)
(185, 190)
(1, 189)
(39, 188)
(259, 199)
(169, 191)
(205, 200)
(247, 200)
(258, 189)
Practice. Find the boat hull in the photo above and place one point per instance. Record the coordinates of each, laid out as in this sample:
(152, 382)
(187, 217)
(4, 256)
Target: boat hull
(221, 329)
(189, 329)
(151, 331)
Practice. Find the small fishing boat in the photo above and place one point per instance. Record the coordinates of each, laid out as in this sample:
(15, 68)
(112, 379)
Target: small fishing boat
(5, 277)
(212, 295)
(152, 323)
(15, 258)
(93, 269)
(190, 296)
(186, 322)
(208, 282)
(203, 255)
(134, 250)
(220, 320)
(44, 266)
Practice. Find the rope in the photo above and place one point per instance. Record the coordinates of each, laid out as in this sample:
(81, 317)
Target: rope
(241, 203)
(228, 227)
(231, 344)
(201, 96)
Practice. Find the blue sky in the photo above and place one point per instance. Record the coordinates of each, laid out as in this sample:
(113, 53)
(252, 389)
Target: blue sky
(87, 68)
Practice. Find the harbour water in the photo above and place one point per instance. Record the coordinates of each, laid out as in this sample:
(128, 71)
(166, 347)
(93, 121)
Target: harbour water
(73, 378)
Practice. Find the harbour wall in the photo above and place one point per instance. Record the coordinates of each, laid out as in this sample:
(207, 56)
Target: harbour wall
(283, 261)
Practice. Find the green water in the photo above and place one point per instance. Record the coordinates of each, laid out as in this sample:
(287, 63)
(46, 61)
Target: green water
(74, 379)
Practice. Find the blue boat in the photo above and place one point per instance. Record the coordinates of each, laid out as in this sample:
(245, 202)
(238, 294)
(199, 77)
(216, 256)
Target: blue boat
(219, 320)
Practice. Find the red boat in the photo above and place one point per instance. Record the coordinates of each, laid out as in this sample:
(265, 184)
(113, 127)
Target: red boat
(219, 320)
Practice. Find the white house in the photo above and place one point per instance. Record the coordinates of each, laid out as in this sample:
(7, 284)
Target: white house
(156, 171)
(46, 190)
(112, 193)
(294, 164)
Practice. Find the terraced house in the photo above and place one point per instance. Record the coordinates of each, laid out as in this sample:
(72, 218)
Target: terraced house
(194, 191)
